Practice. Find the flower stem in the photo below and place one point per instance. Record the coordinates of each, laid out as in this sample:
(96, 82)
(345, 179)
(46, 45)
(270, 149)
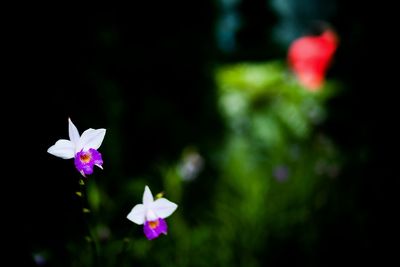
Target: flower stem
(82, 193)
(125, 248)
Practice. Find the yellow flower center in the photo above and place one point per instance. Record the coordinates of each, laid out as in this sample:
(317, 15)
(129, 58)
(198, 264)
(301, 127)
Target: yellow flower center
(153, 224)
(85, 157)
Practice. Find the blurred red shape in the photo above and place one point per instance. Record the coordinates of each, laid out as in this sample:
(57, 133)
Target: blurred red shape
(310, 56)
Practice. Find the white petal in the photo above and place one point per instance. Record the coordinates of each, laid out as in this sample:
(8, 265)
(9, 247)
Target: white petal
(73, 132)
(63, 149)
(147, 196)
(150, 215)
(91, 138)
(137, 214)
(163, 207)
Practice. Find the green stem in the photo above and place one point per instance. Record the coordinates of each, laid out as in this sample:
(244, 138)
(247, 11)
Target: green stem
(125, 248)
(93, 240)
(94, 244)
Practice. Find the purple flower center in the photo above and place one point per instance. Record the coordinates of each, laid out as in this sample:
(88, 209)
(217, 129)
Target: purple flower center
(153, 229)
(85, 161)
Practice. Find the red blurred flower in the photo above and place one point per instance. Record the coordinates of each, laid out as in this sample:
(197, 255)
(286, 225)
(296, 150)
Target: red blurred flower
(309, 58)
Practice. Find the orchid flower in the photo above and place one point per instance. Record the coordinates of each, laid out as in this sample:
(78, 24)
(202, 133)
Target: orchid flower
(152, 214)
(83, 148)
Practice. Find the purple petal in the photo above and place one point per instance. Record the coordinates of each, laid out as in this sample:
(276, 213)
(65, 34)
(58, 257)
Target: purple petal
(153, 229)
(85, 161)
(281, 173)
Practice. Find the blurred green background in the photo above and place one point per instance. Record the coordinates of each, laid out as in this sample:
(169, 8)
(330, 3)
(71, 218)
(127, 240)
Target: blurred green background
(199, 103)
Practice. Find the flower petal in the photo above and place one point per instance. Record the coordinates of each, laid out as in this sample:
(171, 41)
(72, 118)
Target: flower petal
(163, 207)
(63, 149)
(137, 214)
(73, 132)
(153, 229)
(91, 138)
(150, 215)
(85, 161)
(147, 196)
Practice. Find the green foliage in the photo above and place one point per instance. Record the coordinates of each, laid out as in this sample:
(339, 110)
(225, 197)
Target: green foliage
(273, 124)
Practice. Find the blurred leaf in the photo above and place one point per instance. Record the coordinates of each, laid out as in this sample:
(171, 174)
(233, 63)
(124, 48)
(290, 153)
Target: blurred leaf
(94, 195)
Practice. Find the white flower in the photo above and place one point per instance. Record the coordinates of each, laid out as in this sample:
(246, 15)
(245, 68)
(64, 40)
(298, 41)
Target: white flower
(82, 148)
(151, 210)
(67, 149)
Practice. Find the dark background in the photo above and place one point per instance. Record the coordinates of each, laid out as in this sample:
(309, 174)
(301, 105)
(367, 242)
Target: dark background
(108, 65)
